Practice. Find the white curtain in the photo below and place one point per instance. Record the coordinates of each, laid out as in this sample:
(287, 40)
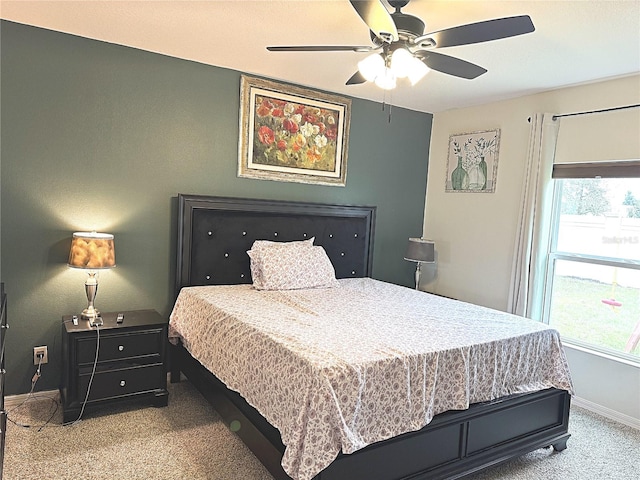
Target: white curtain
(533, 234)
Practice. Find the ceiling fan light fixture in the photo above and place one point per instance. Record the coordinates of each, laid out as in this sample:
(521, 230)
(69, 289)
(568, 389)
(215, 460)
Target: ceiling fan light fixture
(387, 80)
(418, 71)
(405, 64)
(372, 67)
(402, 62)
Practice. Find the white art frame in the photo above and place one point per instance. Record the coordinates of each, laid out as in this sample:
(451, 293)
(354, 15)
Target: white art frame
(472, 162)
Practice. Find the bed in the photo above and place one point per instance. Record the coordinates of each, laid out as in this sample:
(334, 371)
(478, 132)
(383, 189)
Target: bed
(214, 235)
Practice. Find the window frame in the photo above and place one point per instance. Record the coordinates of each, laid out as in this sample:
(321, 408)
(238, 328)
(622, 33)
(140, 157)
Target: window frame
(584, 170)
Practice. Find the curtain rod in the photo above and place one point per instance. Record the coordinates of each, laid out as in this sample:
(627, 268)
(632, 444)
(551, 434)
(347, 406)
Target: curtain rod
(623, 107)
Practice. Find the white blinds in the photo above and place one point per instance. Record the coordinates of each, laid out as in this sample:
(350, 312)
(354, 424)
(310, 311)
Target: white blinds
(607, 136)
(621, 169)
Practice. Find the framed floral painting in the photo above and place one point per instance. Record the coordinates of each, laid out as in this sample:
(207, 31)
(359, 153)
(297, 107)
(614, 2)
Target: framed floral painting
(292, 134)
(472, 163)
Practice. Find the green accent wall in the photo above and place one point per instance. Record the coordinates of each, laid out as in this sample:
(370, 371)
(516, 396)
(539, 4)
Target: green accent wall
(96, 136)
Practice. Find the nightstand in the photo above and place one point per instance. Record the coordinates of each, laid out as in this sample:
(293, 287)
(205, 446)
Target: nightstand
(131, 361)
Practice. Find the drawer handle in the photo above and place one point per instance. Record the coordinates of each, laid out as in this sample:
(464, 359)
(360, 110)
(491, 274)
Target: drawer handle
(120, 347)
(122, 383)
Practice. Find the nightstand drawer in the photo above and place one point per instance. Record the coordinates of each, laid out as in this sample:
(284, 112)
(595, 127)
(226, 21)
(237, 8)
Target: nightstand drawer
(123, 345)
(117, 383)
(131, 361)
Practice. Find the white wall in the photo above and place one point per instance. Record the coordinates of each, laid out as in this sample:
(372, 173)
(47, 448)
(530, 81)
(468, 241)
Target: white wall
(474, 232)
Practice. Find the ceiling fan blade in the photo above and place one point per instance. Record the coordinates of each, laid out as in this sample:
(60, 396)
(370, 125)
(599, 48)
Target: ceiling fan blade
(450, 65)
(480, 31)
(322, 48)
(377, 18)
(356, 78)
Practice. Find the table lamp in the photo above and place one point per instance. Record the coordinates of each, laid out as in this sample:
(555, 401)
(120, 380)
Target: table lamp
(92, 251)
(420, 251)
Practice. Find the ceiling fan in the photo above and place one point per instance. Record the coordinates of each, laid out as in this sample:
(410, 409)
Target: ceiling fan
(401, 48)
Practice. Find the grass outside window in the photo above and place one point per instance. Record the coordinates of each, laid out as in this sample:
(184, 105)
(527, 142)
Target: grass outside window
(578, 313)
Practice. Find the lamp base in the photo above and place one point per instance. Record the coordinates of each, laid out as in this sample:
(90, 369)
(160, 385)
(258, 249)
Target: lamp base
(91, 289)
(92, 314)
(89, 313)
(417, 276)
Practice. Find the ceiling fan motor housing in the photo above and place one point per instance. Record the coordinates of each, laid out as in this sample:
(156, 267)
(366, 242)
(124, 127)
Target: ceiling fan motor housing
(409, 27)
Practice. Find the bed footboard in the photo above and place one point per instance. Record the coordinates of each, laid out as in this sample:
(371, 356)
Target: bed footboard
(453, 445)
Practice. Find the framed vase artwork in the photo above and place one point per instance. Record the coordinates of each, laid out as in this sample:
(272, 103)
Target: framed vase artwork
(472, 161)
(292, 134)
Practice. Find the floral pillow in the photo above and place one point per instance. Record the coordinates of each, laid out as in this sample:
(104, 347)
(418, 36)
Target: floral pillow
(292, 248)
(291, 268)
(259, 244)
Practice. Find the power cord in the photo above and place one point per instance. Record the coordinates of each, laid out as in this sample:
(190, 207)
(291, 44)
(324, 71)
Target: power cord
(31, 394)
(93, 373)
(38, 374)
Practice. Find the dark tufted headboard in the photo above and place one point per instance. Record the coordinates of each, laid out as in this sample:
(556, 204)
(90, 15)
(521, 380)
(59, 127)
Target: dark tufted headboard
(214, 234)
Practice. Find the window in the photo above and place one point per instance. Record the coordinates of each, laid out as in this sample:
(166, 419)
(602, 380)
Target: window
(592, 293)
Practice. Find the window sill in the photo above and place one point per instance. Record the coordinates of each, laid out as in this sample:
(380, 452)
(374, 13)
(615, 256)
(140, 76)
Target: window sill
(630, 362)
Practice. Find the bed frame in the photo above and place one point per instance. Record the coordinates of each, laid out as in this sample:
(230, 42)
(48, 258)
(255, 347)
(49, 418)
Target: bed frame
(213, 236)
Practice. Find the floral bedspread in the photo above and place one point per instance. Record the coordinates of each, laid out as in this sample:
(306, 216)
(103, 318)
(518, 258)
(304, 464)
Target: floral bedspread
(340, 368)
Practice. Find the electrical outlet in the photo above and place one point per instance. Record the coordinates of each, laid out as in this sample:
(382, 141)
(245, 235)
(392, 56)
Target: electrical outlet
(40, 352)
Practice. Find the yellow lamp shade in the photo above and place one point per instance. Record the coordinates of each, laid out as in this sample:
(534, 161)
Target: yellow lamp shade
(92, 251)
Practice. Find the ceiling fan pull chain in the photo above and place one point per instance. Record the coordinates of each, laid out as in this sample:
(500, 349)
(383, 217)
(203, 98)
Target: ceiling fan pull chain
(385, 104)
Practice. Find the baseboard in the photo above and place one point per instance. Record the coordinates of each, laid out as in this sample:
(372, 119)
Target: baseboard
(13, 401)
(606, 412)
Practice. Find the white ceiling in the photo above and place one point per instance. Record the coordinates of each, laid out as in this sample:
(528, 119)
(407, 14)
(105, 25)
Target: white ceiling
(574, 42)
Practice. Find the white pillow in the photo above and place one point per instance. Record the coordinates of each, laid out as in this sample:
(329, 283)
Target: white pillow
(292, 268)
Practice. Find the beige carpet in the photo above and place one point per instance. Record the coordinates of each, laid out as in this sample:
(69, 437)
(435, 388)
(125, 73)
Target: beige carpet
(187, 440)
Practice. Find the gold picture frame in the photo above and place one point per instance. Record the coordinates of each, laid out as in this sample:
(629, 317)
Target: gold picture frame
(292, 134)
(472, 162)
